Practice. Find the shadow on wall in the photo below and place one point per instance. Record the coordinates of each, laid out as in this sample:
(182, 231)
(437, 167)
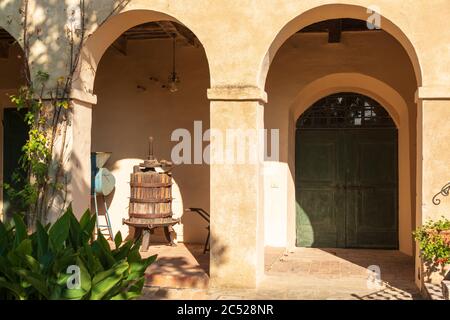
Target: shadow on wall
(53, 17)
(46, 24)
(77, 187)
(16, 131)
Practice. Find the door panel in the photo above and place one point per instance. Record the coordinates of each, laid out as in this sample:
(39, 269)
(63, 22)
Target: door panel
(346, 188)
(372, 208)
(317, 190)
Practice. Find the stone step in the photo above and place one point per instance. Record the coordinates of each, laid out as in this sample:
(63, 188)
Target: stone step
(177, 281)
(177, 267)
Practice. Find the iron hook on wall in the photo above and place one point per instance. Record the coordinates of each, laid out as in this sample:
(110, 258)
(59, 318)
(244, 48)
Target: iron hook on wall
(445, 191)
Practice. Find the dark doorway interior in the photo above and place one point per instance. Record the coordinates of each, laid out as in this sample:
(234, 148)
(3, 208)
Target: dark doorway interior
(15, 134)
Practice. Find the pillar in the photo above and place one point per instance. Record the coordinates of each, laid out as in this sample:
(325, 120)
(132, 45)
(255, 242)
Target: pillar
(433, 155)
(237, 229)
(79, 151)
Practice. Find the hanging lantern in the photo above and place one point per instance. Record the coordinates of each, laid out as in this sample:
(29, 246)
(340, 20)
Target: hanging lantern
(173, 78)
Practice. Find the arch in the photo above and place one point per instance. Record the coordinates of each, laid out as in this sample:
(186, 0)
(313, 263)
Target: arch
(335, 11)
(354, 82)
(102, 38)
(13, 33)
(397, 107)
(90, 71)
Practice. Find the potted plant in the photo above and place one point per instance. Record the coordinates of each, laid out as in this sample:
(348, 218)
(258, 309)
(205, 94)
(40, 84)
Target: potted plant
(434, 242)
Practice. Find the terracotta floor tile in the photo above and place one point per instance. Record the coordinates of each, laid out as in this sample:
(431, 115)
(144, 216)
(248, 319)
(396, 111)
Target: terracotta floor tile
(302, 273)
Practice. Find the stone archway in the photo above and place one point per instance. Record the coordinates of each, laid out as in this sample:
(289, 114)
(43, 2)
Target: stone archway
(126, 100)
(103, 38)
(336, 11)
(370, 85)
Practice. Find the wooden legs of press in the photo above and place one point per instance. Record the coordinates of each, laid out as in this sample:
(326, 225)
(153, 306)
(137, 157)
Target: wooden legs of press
(146, 232)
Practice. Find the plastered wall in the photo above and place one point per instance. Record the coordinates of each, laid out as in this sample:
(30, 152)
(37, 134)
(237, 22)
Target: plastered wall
(210, 20)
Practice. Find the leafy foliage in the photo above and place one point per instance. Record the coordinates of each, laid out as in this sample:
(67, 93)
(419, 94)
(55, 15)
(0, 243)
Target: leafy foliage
(37, 266)
(29, 194)
(434, 241)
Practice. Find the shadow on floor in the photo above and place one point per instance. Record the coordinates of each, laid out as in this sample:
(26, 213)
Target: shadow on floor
(341, 274)
(299, 274)
(202, 258)
(396, 269)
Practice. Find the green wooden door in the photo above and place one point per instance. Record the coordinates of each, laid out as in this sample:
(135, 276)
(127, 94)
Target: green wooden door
(371, 188)
(346, 188)
(320, 198)
(15, 134)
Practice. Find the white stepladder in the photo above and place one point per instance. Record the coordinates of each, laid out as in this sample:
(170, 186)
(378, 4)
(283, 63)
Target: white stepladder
(103, 183)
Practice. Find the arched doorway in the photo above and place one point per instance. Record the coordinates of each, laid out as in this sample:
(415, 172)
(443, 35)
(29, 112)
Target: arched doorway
(14, 131)
(312, 64)
(346, 174)
(152, 81)
(308, 67)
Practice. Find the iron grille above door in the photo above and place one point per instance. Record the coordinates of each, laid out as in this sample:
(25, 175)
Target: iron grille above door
(345, 110)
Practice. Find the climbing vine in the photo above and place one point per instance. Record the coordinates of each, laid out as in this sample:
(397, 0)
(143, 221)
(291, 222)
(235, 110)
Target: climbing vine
(47, 120)
(43, 189)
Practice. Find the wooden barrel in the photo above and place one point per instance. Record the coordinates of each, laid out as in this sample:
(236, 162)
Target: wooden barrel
(151, 197)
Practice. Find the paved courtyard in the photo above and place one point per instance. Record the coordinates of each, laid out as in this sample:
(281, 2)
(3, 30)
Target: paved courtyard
(304, 274)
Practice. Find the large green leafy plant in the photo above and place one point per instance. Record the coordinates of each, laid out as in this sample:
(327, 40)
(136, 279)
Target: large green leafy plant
(40, 265)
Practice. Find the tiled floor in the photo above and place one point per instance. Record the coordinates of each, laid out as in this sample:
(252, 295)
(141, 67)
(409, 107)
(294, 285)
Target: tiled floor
(181, 273)
(340, 274)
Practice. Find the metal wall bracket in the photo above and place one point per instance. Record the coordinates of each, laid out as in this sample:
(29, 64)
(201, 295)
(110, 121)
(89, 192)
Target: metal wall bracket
(445, 191)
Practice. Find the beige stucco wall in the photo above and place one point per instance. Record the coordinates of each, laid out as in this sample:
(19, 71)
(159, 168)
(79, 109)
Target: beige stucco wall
(434, 146)
(211, 20)
(241, 39)
(433, 157)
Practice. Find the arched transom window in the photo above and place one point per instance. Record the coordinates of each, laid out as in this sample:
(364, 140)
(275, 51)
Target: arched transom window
(345, 110)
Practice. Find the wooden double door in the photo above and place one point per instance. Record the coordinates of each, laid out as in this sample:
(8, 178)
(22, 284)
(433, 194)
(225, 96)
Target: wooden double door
(347, 188)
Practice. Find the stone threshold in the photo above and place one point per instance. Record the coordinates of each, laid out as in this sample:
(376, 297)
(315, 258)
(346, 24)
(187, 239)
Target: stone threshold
(180, 267)
(199, 281)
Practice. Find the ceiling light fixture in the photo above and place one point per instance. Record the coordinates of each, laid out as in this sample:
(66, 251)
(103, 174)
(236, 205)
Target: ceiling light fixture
(173, 78)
